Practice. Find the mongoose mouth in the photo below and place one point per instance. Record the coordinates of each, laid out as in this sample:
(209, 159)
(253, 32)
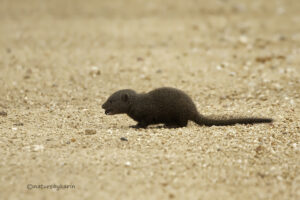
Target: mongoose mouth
(109, 112)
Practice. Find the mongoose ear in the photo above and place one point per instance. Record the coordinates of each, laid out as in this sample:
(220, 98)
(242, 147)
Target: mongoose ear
(124, 97)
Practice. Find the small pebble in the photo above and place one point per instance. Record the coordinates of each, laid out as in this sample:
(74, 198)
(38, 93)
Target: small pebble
(140, 59)
(2, 113)
(123, 139)
(259, 149)
(19, 124)
(95, 71)
(37, 147)
(26, 76)
(90, 132)
(243, 39)
(263, 59)
(232, 74)
(109, 131)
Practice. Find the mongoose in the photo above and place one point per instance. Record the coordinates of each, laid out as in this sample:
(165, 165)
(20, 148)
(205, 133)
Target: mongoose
(168, 106)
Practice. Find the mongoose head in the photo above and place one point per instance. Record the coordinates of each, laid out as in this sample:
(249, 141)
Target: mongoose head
(119, 102)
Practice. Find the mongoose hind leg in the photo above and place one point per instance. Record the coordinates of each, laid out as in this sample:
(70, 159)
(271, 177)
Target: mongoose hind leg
(182, 122)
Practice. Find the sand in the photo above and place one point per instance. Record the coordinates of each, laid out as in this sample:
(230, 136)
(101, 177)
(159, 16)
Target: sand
(60, 60)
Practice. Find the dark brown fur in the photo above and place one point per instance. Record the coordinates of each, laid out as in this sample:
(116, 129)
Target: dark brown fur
(168, 106)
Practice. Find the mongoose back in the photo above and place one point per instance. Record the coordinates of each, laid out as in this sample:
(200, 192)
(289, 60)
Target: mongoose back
(168, 106)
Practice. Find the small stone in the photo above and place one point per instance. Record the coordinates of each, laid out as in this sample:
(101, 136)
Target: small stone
(279, 178)
(281, 57)
(232, 74)
(147, 78)
(19, 124)
(225, 64)
(140, 59)
(73, 140)
(281, 38)
(2, 113)
(128, 163)
(263, 97)
(263, 59)
(38, 147)
(243, 39)
(259, 149)
(90, 132)
(27, 76)
(123, 139)
(95, 71)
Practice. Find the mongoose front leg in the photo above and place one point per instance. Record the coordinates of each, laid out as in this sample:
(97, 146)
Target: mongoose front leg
(141, 124)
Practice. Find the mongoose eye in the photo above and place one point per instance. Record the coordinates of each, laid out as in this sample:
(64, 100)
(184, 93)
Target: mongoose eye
(110, 101)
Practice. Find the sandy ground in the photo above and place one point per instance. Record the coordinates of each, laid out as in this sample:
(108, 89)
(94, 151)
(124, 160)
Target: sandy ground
(60, 60)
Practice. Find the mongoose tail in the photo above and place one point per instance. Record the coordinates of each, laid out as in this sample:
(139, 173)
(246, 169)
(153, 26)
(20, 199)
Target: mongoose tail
(201, 120)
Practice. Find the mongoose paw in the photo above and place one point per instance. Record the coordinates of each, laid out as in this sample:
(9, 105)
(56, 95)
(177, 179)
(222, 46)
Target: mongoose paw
(138, 126)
